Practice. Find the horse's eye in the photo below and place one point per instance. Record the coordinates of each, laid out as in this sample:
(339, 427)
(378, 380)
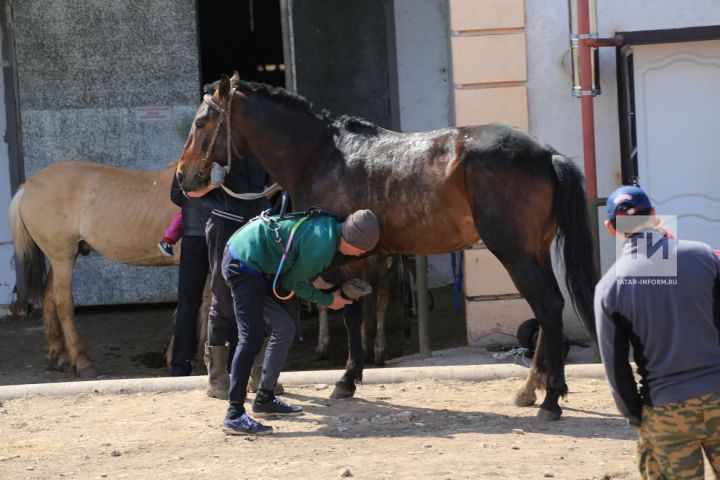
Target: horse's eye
(199, 123)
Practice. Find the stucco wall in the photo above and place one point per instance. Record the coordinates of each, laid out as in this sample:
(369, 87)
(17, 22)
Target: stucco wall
(87, 71)
(555, 114)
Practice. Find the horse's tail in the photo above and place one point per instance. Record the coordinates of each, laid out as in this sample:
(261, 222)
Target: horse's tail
(575, 239)
(28, 256)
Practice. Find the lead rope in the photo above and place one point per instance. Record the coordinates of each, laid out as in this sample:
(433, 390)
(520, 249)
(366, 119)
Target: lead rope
(282, 260)
(253, 196)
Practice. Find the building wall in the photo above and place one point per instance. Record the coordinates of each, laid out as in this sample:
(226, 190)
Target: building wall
(504, 46)
(423, 84)
(7, 270)
(88, 71)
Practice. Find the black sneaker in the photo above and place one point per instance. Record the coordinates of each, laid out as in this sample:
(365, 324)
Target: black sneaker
(166, 249)
(275, 407)
(245, 425)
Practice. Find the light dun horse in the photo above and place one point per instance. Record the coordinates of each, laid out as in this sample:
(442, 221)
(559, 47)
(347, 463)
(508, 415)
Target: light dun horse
(71, 208)
(433, 192)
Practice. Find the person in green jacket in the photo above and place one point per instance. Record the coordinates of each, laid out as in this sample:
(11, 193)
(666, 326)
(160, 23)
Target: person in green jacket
(268, 253)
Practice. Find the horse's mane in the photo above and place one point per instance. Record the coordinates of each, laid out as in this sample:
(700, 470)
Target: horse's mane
(347, 123)
(358, 126)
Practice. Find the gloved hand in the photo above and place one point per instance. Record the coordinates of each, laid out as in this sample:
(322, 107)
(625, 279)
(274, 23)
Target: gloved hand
(217, 174)
(321, 284)
(338, 301)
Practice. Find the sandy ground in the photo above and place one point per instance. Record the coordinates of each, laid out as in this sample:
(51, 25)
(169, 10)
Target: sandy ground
(424, 429)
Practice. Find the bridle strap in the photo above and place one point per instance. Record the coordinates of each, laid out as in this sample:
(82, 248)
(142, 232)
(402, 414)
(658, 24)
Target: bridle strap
(225, 114)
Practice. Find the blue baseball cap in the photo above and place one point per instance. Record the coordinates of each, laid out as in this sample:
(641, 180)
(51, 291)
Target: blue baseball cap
(630, 199)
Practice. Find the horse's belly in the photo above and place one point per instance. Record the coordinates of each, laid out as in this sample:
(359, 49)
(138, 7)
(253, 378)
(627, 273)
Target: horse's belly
(431, 238)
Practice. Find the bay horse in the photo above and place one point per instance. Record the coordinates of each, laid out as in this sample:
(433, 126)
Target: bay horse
(433, 192)
(71, 208)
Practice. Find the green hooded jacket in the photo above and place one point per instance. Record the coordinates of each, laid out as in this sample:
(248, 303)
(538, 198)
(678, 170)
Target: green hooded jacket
(314, 245)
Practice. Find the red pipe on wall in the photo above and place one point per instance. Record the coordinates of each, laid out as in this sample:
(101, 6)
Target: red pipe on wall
(586, 100)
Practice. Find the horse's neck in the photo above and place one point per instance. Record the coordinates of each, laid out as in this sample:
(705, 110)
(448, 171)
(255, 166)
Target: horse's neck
(302, 152)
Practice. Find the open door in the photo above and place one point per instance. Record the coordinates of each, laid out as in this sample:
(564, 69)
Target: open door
(338, 55)
(626, 103)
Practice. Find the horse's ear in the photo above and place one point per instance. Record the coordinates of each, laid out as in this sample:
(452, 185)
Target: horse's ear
(223, 86)
(235, 77)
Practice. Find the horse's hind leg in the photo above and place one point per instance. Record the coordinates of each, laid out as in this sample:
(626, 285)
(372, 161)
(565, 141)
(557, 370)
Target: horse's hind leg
(62, 295)
(56, 354)
(536, 378)
(536, 282)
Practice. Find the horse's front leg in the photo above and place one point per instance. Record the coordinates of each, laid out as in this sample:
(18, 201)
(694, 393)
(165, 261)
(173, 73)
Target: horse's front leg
(202, 324)
(321, 350)
(383, 300)
(354, 367)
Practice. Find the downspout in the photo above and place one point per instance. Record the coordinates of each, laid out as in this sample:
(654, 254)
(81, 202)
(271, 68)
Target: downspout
(584, 47)
(587, 92)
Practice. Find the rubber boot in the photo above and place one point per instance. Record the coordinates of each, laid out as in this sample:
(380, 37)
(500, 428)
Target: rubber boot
(256, 373)
(216, 361)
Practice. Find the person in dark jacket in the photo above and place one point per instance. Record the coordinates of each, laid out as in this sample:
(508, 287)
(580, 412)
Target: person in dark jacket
(672, 321)
(227, 214)
(294, 252)
(192, 277)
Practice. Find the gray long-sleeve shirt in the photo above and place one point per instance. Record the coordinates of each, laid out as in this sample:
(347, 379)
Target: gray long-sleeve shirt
(672, 323)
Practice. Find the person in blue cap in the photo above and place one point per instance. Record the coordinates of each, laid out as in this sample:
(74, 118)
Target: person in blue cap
(673, 325)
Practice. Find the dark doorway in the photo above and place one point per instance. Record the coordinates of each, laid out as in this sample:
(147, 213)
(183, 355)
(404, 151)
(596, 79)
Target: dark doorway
(342, 57)
(242, 35)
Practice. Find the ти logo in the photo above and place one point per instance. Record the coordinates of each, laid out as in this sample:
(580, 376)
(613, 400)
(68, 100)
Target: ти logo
(654, 241)
(643, 249)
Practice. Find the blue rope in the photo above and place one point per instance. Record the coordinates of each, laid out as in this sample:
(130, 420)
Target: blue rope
(457, 269)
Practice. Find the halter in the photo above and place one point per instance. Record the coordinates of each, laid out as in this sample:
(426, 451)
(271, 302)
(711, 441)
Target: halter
(224, 114)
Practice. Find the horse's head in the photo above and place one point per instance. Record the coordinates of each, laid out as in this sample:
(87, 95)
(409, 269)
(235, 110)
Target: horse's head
(210, 139)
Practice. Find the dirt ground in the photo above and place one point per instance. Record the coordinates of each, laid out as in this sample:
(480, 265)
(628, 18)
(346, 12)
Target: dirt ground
(415, 430)
(127, 342)
(424, 429)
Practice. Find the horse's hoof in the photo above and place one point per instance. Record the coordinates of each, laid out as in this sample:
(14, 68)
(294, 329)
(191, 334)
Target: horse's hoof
(88, 372)
(549, 415)
(342, 391)
(318, 355)
(379, 358)
(524, 398)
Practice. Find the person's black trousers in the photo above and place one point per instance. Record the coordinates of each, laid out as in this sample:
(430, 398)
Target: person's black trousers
(248, 293)
(221, 321)
(193, 274)
(255, 310)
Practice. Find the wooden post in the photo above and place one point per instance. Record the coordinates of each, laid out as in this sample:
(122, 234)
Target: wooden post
(423, 305)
